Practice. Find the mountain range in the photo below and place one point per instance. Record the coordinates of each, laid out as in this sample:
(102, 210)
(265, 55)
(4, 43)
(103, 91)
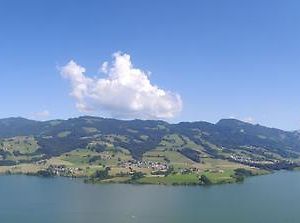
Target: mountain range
(56, 137)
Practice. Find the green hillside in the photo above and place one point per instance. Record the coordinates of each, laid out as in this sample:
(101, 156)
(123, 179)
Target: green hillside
(145, 151)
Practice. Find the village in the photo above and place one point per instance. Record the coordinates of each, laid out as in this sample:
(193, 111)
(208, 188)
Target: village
(248, 160)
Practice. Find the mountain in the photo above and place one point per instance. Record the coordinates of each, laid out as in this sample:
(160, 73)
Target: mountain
(222, 140)
(10, 127)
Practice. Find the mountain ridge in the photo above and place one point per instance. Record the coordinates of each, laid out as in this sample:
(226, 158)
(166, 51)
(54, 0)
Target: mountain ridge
(225, 133)
(220, 122)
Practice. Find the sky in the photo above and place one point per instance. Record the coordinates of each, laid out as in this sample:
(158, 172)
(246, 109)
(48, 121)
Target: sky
(172, 60)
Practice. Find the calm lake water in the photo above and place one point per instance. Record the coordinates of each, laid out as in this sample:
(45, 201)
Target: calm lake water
(273, 198)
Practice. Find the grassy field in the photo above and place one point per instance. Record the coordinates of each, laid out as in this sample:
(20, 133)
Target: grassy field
(22, 144)
(218, 177)
(20, 169)
(179, 179)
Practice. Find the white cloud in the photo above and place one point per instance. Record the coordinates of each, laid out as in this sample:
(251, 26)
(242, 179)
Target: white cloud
(42, 115)
(126, 91)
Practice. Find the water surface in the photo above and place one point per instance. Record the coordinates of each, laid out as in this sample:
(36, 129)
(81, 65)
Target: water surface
(273, 198)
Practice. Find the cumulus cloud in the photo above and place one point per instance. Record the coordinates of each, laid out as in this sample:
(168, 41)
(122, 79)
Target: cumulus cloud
(126, 92)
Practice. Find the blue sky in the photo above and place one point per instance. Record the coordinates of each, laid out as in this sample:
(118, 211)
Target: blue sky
(224, 58)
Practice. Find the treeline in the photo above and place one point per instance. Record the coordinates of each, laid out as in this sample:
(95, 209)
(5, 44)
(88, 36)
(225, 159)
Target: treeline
(190, 154)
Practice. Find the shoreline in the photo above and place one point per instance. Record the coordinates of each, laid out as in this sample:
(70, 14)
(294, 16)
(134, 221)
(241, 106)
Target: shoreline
(111, 180)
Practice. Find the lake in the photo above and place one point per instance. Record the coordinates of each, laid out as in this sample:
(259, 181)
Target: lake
(271, 198)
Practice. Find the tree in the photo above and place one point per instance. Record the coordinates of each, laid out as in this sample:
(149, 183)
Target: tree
(101, 174)
(137, 175)
(204, 180)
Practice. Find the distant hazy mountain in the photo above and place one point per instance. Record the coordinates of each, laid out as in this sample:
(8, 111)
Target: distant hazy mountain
(138, 136)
